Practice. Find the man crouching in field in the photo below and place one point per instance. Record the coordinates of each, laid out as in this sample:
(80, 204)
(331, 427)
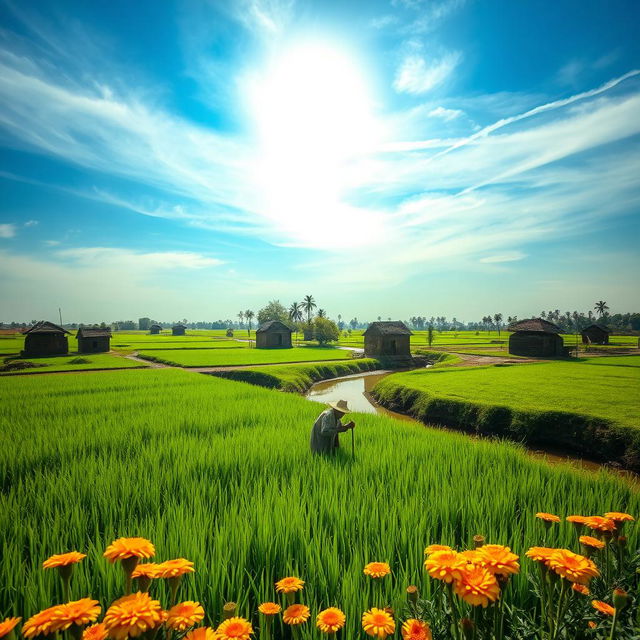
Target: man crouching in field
(324, 435)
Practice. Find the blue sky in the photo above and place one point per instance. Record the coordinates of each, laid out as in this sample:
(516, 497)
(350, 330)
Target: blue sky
(393, 158)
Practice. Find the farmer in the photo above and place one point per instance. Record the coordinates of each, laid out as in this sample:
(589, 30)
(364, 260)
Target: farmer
(324, 435)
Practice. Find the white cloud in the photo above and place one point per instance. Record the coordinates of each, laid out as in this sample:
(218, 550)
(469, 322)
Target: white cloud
(416, 75)
(511, 256)
(7, 230)
(31, 223)
(445, 114)
(52, 243)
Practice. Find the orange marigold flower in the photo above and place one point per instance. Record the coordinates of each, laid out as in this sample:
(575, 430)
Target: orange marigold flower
(174, 568)
(444, 565)
(598, 523)
(330, 620)
(603, 607)
(146, 570)
(201, 633)
(470, 555)
(477, 586)
(184, 615)
(296, 614)
(379, 623)
(41, 624)
(580, 588)
(432, 548)
(414, 629)
(269, 608)
(547, 517)
(8, 625)
(132, 615)
(498, 559)
(95, 632)
(572, 566)
(63, 559)
(588, 541)
(79, 612)
(129, 548)
(289, 585)
(616, 516)
(540, 554)
(377, 569)
(576, 519)
(234, 629)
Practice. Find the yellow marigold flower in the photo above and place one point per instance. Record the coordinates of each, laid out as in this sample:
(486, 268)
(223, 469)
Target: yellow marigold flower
(8, 625)
(95, 632)
(379, 623)
(330, 620)
(432, 548)
(444, 565)
(588, 541)
(477, 586)
(414, 629)
(572, 566)
(577, 520)
(498, 559)
(146, 570)
(377, 569)
(603, 607)
(79, 612)
(174, 568)
(41, 624)
(234, 629)
(547, 517)
(201, 633)
(269, 608)
(580, 588)
(123, 548)
(616, 516)
(132, 615)
(296, 614)
(184, 615)
(470, 555)
(598, 523)
(540, 554)
(63, 559)
(289, 585)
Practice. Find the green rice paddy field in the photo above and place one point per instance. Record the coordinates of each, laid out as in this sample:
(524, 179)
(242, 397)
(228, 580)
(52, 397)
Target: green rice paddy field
(76, 363)
(219, 472)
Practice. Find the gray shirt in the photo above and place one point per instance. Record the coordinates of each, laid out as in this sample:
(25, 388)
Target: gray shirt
(324, 435)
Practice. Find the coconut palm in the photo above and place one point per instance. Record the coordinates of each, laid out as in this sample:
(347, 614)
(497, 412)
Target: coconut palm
(308, 305)
(322, 313)
(249, 315)
(241, 318)
(498, 319)
(601, 307)
(295, 315)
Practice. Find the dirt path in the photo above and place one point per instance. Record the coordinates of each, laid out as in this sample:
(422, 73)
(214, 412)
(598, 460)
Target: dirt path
(151, 365)
(470, 360)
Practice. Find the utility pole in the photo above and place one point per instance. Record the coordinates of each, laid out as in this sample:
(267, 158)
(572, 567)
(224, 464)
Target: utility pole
(60, 314)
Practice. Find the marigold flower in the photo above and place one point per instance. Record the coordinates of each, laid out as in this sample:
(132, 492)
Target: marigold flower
(379, 623)
(234, 629)
(591, 624)
(41, 624)
(289, 585)
(540, 554)
(269, 608)
(432, 548)
(444, 565)
(498, 559)
(616, 516)
(63, 559)
(174, 568)
(79, 612)
(603, 607)
(184, 615)
(201, 633)
(598, 523)
(377, 569)
(296, 614)
(146, 570)
(132, 615)
(477, 586)
(123, 548)
(547, 517)
(95, 632)
(470, 555)
(414, 629)
(330, 620)
(576, 520)
(588, 541)
(572, 566)
(580, 588)
(8, 625)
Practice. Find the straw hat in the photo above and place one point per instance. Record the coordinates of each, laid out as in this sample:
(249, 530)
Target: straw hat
(340, 406)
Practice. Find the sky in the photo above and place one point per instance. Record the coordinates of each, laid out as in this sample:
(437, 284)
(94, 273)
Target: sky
(389, 157)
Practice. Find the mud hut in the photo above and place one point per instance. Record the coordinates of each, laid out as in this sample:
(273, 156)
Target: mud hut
(536, 338)
(155, 329)
(387, 339)
(595, 334)
(273, 334)
(45, 339)
(93, 340)
(178, 329)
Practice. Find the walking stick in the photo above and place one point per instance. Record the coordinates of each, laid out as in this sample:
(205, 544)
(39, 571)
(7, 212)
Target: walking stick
(353, 445)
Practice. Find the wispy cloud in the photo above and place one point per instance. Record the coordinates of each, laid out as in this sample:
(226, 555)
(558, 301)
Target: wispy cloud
(31, 223)
(511, 256)
(445, 114)
(7, 230)
(417, 75)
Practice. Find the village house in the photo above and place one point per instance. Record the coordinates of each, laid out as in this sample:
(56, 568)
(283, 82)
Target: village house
(178, 329)
(595, 334)
(387, 339)
(273, 334)
(155, 329)
(45, 339)
(536, 338)
(93, 340)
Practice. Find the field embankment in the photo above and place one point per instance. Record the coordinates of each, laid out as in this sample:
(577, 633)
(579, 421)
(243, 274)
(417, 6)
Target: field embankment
(589, 407)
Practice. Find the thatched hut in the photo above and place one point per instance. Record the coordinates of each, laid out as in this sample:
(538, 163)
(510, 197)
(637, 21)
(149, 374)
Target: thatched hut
(93, 340)
(387, 339)
(273, 334)
(155, 329)
(536, 338)
(178, 329)
(595, 334)
(45, 339)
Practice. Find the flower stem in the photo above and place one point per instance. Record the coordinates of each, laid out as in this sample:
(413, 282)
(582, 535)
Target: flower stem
(612, 635)
(454, 612)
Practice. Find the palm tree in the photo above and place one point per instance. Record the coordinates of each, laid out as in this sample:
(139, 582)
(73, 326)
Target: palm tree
(295, 315)
(498, 319)
(601, 307)
(248, 314)
(308, 305)
(241, 318)
(340, 322)
(322, 313)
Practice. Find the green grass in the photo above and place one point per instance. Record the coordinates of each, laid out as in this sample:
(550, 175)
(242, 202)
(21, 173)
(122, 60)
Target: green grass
(65, 363)
(229, 357)
(220, 473)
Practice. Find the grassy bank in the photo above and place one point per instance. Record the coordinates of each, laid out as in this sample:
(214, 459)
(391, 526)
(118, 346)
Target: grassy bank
(588, 406)
(74, 362)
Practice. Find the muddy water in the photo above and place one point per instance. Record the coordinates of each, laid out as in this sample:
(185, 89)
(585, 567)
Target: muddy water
(356, 390)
